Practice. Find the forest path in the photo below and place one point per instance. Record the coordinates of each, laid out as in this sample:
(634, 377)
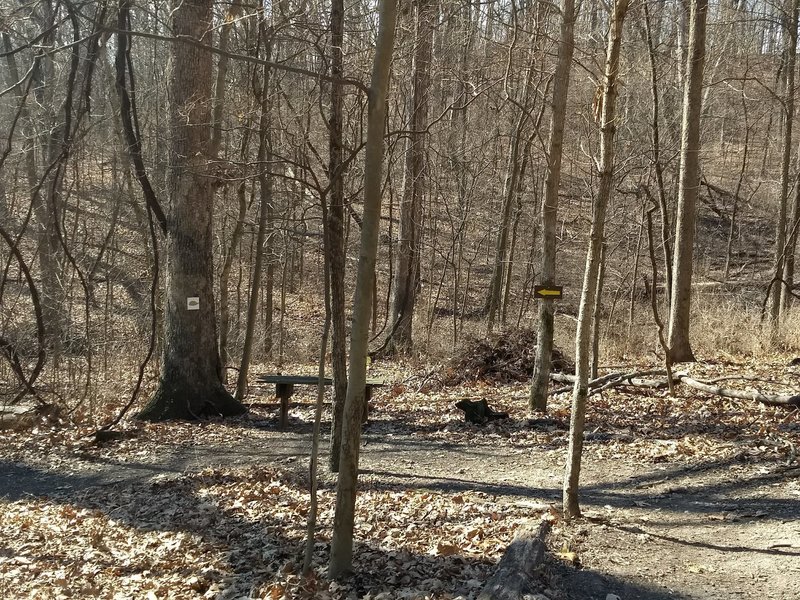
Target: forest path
(719, 529)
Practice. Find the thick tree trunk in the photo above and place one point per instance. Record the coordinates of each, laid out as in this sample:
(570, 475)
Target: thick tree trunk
(679, 317)
(341, 561)
(590, 285)
(190, 385)
(544, 340)
(515, 577)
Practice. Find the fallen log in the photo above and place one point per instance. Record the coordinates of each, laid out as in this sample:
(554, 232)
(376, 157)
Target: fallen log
(516, 572)
(770, 399)
(633, 378)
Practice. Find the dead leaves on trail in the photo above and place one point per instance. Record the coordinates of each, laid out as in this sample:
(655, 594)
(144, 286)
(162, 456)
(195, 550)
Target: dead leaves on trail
(238, 532)
(230, 533)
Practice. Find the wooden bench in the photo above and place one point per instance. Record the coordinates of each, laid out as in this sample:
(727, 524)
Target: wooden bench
(284, 388)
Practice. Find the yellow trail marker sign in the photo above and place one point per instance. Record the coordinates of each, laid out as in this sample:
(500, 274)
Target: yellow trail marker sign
(553, 292)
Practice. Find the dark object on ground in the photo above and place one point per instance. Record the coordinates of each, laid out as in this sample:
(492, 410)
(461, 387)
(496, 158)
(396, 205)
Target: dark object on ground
(795, 361)
(516, 574)
(478, 411)
(507, 357)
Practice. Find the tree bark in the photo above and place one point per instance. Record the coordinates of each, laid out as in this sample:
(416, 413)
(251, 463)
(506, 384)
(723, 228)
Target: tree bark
(190, 385)
(608, 129)
(680, 307)
(544, 339)
(408, 255)
(335, 247)
(515, 576)
(341, 561)
(785, 252)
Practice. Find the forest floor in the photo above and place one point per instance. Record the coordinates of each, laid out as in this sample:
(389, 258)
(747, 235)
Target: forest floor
(686, 497)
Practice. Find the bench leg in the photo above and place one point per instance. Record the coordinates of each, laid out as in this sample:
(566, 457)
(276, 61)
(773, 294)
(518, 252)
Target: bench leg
(284, 391)
(367, 398)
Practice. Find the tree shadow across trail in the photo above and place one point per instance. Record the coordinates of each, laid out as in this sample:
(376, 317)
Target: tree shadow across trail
(591, 584)
(233, 532)
(241, 532)
(673, 491)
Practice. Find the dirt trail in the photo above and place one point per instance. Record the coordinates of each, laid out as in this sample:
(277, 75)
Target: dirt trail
(717, 530)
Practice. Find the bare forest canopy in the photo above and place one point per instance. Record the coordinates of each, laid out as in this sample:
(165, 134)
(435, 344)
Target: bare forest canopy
(86, 156)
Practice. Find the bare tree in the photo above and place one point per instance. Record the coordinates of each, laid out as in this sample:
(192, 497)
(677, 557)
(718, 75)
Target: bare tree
(605, 168)
(549, 210)
(341, 561)
(679, 316)
(408, 253)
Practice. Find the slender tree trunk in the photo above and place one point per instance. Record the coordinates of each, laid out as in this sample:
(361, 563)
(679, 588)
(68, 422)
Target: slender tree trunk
(786, 254)
(544, 336)
(408, 254)
(738, 190)
(265, 208)
(511, 190)
(341, 561)
(657, 165)
(596, 310)
(593, 259)
(335, 251)
(680, 308)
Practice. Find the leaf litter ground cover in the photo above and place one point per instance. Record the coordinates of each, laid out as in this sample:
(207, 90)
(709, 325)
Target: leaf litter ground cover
(691, 497)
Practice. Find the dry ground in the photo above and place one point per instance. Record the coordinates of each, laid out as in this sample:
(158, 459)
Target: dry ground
(691, 497)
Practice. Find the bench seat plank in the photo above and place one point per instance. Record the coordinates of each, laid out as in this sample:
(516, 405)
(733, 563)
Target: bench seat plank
(284, 388)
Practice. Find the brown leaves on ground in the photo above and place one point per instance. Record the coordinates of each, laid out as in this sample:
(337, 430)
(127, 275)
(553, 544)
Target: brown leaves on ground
(231, 533)
(238, 530)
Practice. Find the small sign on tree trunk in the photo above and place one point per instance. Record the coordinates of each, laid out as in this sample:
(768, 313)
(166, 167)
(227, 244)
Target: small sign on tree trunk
(547, 291)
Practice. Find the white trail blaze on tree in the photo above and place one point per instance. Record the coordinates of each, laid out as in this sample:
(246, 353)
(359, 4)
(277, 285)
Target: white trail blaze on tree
(190, 384)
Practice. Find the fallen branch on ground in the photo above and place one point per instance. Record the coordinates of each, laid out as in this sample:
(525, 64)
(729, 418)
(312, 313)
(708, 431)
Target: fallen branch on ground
(634, 378)
(770, 399)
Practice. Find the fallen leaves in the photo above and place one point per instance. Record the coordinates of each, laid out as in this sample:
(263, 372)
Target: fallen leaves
(226, 532)
(232, 532)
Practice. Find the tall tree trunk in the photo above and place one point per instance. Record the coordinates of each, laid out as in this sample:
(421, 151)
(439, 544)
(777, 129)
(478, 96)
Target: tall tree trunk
(583, 336)
(657, 165)
(190, 384)
(544, 336)
(679, 318)
(511, 191)
(264, 158)
(335, 250)
(786, 254)
(341, 561)
(408, 255)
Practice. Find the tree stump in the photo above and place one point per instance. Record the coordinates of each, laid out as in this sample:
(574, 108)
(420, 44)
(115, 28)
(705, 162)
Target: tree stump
(478, 411)
(516, 572)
